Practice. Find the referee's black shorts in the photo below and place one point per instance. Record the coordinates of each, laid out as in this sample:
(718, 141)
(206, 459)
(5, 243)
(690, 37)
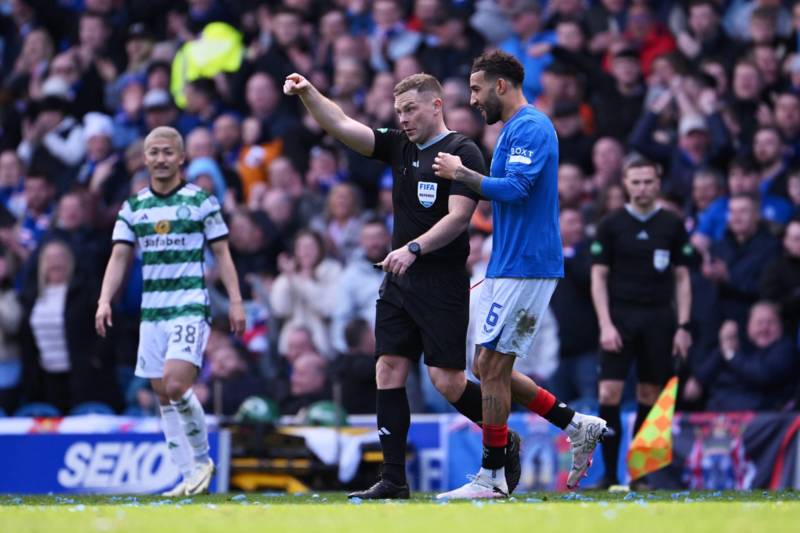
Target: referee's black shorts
(647, 333)
(424, 312)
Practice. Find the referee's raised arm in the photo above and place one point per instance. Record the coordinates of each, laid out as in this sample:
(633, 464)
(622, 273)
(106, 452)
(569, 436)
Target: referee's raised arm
(330, 116)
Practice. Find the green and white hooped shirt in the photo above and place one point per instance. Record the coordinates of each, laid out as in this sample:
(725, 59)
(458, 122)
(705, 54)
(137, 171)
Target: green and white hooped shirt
(171, 231)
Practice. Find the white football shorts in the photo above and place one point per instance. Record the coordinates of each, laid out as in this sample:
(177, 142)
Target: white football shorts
(508, 313)
(183, 339)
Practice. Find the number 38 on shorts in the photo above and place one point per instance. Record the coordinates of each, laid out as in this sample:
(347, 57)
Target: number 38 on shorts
(184, 339)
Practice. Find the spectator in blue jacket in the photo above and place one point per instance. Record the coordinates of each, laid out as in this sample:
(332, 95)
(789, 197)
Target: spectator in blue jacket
(743, 179)
(737, 261)
(757, 378)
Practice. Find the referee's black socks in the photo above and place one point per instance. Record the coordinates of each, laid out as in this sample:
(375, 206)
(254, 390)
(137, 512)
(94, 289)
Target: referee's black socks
(394, 417)
(610, 413)
(470, 404)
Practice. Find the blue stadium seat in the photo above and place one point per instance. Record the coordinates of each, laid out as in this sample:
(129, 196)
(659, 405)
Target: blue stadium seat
(91, 408)
(37, 409)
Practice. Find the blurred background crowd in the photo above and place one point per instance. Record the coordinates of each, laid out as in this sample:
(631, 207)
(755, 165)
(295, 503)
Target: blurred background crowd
(710, 89)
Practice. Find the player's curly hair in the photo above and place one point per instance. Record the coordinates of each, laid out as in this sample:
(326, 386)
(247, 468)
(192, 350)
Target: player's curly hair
(498, 64)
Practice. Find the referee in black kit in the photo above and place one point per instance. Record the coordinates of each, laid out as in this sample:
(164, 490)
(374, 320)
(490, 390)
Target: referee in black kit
(424, 300)
(642, 294)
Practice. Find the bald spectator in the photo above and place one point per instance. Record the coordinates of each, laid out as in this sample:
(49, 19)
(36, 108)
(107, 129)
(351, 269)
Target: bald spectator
(758, 376)
(737, 262)
(308, 383)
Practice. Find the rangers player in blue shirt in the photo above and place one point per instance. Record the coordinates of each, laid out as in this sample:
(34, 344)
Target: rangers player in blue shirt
(524, 269)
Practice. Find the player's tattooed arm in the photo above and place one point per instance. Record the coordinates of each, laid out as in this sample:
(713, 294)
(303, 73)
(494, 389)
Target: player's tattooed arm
(470, 178)
(450, 167)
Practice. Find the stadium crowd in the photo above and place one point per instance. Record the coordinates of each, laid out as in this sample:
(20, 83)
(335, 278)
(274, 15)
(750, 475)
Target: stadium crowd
(710, 89)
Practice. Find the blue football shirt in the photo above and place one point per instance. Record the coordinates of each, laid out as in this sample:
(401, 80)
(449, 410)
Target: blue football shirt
(523, 188)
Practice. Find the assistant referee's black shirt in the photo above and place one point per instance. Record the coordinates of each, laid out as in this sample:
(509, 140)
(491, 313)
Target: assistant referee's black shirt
(641, 254)
(420, 198)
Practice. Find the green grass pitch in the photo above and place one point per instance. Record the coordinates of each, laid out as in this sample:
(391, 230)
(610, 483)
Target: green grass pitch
(597, 512)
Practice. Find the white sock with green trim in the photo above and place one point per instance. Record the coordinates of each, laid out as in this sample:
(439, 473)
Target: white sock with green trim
(177, 444)
(194, 425)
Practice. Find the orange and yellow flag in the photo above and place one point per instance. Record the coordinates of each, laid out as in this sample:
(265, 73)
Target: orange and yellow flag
(651, 448)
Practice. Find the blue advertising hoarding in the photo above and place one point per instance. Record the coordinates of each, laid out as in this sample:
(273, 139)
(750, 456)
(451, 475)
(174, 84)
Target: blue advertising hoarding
(99, 463)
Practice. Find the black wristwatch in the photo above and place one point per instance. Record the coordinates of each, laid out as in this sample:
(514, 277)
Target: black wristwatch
(415, 248)
(684, 326)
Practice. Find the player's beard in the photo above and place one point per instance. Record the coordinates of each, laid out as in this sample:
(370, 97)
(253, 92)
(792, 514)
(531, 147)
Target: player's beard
(493, 109)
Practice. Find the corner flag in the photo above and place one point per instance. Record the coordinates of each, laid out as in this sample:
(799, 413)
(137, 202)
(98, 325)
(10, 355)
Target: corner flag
(651, 448)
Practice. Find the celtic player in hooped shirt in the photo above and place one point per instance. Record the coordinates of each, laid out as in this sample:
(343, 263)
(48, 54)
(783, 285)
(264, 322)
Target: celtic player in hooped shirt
(171, 221)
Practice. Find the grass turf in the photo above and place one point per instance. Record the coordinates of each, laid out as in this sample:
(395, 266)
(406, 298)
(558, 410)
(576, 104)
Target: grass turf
(599, 512)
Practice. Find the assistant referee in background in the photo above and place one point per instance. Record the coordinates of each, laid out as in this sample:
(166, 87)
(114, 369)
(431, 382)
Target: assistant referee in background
(642, 295)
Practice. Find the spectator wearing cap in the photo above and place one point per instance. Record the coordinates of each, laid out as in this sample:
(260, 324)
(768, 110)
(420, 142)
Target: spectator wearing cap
(760, 375)
(159, 110)
(702, 140)
(526, 21)
(53, 139)
(574, 146)
(390, 39)
(781, 281)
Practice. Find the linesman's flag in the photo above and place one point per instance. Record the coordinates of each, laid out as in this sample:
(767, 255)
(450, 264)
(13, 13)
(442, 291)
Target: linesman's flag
(651, 448)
